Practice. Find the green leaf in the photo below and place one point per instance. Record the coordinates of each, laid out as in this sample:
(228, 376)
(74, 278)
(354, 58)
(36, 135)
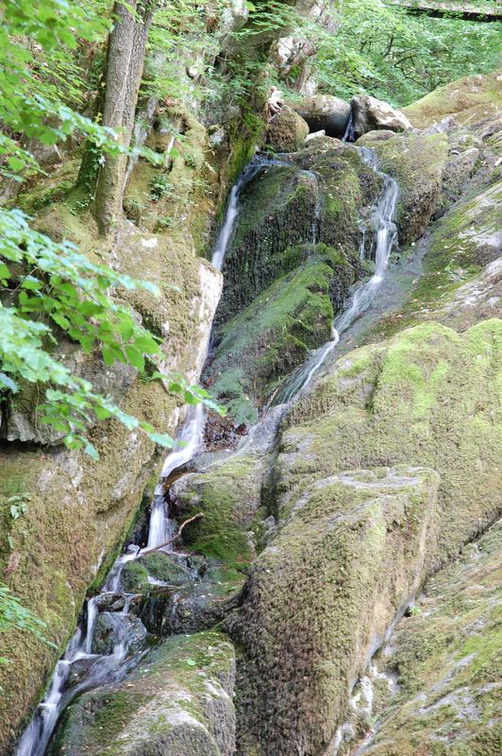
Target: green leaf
(91, 451)
(135, 358)
(8, 383)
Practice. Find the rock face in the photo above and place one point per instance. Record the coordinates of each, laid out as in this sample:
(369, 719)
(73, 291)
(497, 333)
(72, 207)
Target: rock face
(325, 112)
(447, 657)
(370, 114)
(181, 707)
(78, 512)
(418, 163)
(414, 399)
(289, 268)
(349, 555)
(322, 527)
(286, 131)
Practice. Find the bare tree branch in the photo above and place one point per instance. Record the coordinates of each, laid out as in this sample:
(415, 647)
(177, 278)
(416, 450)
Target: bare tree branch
(175, 537)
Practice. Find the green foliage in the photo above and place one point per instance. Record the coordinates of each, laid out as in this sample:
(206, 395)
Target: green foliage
(408, 57)
(46, 289)
(14, 616)
(67, 293)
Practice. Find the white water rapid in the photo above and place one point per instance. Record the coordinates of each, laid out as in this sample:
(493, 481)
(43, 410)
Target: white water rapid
(101, 669)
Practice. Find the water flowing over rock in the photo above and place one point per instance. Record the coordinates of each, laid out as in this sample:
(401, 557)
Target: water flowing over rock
(337, 592)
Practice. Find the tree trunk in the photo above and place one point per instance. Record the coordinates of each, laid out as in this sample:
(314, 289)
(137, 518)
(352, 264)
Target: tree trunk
(124, 69)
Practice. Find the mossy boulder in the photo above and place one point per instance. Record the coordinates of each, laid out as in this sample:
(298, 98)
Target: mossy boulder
(417, 162)
(134, 577)
(286, 131)
(163, 567)
(473, 96)
(288, 270)
(291, 317)
(429, 397)
(446, 656)
(178, 704)
(229, 496)
(318, 197)
(112, 627)
(347, 559)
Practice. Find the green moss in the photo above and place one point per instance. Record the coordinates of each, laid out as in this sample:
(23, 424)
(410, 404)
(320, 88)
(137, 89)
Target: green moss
(468, 98)
(417, 162)
(289, 318)
(162, 567)
(448, 660)
(134, 577)
(228, 497)
(321, 595)
(184, 681)
(53, 187)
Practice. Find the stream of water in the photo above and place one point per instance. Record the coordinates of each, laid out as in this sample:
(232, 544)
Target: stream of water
(385, 237)
(81, 668)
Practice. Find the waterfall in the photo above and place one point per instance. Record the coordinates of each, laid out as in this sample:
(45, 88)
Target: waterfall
(113, 667)
(382, 219)
(350, 133)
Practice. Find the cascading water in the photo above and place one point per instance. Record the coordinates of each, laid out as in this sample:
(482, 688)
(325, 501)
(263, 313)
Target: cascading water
(113, 667)
(101, 669)
(385, 239)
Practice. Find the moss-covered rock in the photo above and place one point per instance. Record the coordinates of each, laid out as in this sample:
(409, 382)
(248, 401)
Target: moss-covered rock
(286, 131)
(417, 162)
(229, 497)
(291, 317)
(163, 567)
(134, 577)
(348, 558)
(289, 270)
(448, 662)
(78, 511)
(179, 704)
(473, 96)
(428, 397)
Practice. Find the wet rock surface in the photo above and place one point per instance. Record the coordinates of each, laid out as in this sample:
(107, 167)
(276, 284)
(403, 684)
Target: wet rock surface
(178, 704)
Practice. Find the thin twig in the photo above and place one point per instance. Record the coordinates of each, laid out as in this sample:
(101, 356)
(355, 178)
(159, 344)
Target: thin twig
(162, 545)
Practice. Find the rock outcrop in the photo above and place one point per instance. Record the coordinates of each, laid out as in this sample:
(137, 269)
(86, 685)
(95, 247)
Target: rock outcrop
(182, 706)
(288, 270)
(286, 131)
(344, 523)
(428, 397)
(370, 114)
(325, 112)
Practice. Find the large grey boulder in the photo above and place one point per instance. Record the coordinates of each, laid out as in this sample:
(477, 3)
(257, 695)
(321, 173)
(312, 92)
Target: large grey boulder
(286, 131)
(370, 114)
(325, 112)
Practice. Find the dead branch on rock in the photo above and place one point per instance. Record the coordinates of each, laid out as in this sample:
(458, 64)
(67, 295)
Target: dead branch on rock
(175, 537)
